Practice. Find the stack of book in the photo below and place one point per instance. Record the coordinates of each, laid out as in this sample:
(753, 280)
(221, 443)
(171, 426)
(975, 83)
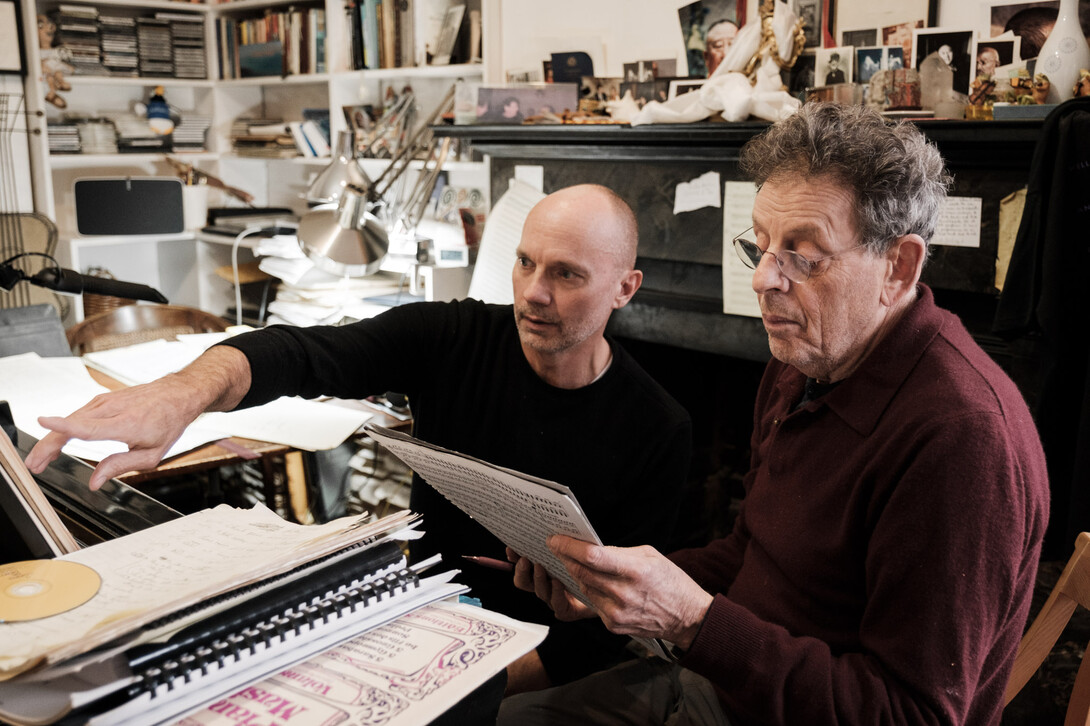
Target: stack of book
(78, 35)
(134, 136)
(187, 41)
(263, 138)
(117, 34)
(155, 50)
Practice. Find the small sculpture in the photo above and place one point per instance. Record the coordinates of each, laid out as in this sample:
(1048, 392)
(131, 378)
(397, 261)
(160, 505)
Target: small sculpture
(1041, 85)
(1082, 85)
(1021, 91)
(54, 63)
(769, 47)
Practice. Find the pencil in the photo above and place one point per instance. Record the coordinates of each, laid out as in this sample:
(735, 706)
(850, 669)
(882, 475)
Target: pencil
(490, 562)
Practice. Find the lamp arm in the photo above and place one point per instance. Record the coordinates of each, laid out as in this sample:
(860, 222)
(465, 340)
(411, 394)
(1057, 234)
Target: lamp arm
(404, 155)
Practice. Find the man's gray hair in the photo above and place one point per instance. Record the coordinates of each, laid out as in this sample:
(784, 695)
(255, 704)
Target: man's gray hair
(897, 177)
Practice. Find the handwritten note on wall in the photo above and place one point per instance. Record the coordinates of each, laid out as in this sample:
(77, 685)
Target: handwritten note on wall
(698, 193)
(959, 223)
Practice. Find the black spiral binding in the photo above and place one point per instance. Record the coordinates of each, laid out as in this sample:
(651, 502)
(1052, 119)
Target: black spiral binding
(226, 636)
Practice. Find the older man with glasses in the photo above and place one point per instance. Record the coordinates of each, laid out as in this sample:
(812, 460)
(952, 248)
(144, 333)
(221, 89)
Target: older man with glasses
(882, 564)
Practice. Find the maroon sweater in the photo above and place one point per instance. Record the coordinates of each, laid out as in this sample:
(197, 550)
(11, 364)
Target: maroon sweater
(881, 568)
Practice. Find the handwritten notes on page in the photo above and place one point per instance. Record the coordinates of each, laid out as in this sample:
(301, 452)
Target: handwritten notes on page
(496, 258)
(522, 511)
(959, 223)
(738, 295)
(406, 672)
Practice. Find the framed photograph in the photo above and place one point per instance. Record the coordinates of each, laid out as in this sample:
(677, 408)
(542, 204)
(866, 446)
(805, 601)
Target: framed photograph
(359, 117)
(12, 58)
(595, 93)
(991, 55)
(1031, 22)
(809, 11)
(722, 18)
(952, 46)
(512, 104)
(683, 85)
(901, 35)
(852, 14)
(868, 61)
(834, 65)
(656, 90)
(857, 38)
(803, 73)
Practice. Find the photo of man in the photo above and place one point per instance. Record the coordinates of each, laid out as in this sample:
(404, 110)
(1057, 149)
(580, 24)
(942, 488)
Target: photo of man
(720, 36)
(834, 65)
(833, 72)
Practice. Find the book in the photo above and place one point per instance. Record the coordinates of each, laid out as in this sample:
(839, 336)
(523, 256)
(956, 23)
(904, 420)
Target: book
(315, 138)
(33, 531)
(448, 35)
(301, 142)
(261, 59)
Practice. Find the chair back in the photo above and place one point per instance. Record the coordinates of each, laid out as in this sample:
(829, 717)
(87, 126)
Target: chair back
(1071, 590)
(132, 324)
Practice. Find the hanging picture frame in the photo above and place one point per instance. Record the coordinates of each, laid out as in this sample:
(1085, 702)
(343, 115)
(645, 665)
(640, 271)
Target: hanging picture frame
(12, 54)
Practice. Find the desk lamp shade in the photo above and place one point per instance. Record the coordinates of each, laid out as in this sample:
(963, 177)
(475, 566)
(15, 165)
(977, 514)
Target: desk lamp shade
(344, 238)
(343, 171)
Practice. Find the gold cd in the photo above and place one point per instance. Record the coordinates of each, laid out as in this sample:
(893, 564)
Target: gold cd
(39, 588)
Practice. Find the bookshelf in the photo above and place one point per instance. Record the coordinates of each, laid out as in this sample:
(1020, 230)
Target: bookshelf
(273, 182)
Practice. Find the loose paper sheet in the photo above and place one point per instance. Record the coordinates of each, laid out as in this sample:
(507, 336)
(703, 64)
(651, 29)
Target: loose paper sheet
(491, 281)
(36, 386)
(959, 223)
(406, 672)
(738, 295)
(698, 193)
(522, 511)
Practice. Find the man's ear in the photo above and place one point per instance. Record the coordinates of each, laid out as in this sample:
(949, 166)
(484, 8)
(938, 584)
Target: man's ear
(630, 283)
(905, 259)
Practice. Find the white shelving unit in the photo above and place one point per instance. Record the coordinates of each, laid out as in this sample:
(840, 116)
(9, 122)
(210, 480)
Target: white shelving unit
(183, 266)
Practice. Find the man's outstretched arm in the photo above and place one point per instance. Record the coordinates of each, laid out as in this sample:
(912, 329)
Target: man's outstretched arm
(149, 418)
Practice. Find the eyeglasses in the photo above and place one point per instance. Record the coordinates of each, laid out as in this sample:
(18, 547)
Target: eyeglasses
(793, 266)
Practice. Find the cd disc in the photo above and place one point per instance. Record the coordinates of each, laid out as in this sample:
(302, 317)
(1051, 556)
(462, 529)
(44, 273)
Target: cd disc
(39, 588)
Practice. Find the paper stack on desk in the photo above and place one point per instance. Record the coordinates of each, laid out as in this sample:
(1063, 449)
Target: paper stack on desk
(174, 616)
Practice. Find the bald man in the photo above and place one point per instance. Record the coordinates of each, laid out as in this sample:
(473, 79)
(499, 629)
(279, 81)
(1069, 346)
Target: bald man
(535, 386)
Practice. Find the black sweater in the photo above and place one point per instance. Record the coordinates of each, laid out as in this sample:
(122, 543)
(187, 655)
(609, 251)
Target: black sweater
(622, 444)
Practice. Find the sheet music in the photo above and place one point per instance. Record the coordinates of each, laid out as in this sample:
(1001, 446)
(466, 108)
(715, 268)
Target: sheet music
(522, 511)
(491, 280)
(158, 570)
(406, 672)
(738, 295)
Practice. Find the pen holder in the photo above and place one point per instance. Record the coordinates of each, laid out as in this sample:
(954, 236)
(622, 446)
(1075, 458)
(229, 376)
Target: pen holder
(195, 206)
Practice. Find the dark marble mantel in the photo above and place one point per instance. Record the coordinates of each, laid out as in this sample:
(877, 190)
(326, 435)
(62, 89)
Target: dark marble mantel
(680, 303)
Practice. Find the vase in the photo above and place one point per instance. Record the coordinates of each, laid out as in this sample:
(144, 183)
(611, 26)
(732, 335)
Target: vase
(1064, 53)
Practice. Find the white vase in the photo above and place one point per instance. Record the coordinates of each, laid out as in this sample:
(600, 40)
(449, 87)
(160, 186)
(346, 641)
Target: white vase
(1064, 53)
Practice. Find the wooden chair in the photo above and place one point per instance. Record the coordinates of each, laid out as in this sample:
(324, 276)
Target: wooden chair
(131, 324)
(1071, 590)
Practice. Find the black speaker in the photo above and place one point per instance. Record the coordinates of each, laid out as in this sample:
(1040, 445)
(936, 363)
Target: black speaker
(129, 205)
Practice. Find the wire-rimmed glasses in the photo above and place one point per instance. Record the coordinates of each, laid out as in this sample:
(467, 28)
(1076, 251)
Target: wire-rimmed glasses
(793, 266)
